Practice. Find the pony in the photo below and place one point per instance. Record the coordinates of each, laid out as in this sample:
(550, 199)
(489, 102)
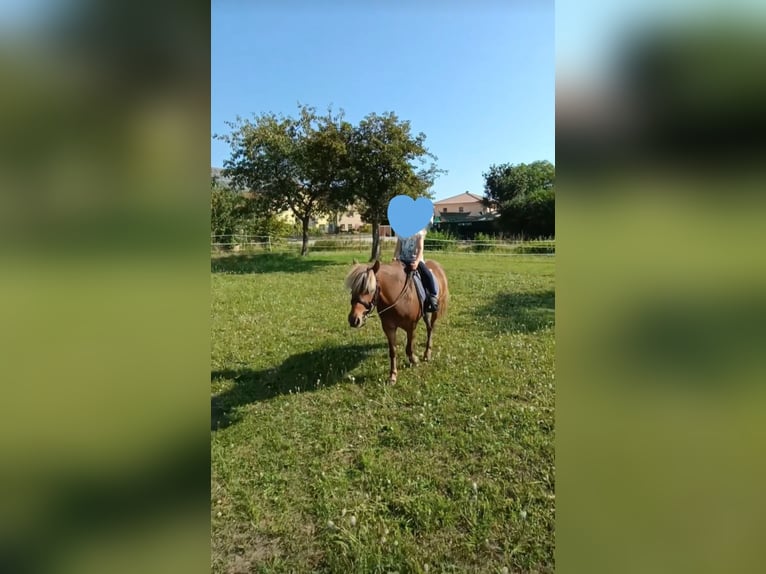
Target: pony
(389, 289)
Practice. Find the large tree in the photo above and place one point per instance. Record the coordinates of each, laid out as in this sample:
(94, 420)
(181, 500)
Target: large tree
(382, 155)
(504, 182)
(525, 196)
(291, 163)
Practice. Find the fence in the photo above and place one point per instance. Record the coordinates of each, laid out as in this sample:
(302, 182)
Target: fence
(266, 243)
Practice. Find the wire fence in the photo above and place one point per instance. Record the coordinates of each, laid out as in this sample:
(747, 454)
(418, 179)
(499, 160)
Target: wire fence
(243, 242)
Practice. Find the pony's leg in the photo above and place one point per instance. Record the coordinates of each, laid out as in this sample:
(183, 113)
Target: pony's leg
(429, 333)
(391, 336)
(410, 339)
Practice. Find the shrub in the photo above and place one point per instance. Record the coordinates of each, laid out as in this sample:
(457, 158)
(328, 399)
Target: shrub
(439, 241)
(546, 247)
(335, 244)
(484, 242)
(531, 215)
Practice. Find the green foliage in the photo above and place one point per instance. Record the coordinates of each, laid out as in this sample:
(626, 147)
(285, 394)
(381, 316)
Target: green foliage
(337, 244)
(226, 207)
(503, 183)
(526, 197)
(484, 242)
(532, 215)
(382, 153)
(546, 247)
(439, 241)
(315, 165)
(234, 215)
(292, 163)
(264, 224)
(324, 468)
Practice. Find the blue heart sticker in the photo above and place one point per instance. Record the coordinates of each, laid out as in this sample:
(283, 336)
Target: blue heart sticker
(408, 216)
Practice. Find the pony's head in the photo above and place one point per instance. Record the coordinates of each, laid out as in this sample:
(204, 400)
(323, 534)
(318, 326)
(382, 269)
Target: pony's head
(363, 284)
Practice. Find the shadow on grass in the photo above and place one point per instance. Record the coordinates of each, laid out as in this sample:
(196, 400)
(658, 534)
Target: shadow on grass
(244, 263)
(298, 373)
(519, 312)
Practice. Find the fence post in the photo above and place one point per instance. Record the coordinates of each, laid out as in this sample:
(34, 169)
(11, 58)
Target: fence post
(268, 237)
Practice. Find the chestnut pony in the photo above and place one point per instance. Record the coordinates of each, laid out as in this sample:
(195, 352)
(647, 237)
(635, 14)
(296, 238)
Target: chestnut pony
(390, 290)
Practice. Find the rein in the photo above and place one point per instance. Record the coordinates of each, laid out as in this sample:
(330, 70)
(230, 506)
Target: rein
(372, 305)
(407, 281)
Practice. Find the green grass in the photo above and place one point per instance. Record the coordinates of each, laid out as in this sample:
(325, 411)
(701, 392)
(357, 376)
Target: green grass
(318, 466)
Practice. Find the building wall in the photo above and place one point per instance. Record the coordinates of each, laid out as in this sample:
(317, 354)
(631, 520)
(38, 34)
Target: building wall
(472, 207)
(350, 220)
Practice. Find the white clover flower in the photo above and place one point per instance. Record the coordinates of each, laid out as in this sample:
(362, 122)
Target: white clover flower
(352, 520)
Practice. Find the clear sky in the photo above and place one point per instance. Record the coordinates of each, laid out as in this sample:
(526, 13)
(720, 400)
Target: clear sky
(477, 77)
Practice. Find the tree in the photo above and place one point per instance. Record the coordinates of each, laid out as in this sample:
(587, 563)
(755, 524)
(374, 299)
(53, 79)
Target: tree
(502, 183)
(381, 152)
(233, 212)
(225, 218)
(291, 163)
(532, 214)
(525, 196)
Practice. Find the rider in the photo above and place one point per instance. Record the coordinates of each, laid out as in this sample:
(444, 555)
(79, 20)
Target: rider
(410, 252)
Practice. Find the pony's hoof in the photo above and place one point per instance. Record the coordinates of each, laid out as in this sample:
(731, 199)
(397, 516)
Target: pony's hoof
(392, 380)
(414, 361)
(427, 357)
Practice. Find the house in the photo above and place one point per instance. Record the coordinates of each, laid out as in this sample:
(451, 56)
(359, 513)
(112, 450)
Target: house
(465, 215)
(466, 203)
(349, 220)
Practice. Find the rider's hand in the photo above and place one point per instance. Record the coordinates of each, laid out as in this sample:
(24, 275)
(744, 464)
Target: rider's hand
(414, 265)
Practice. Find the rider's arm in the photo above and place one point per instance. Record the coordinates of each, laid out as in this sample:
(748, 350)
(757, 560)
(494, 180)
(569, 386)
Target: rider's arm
(419, 249)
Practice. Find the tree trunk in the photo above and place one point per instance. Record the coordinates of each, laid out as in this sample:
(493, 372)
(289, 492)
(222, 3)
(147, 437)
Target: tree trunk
(305, 245)
(375, 254)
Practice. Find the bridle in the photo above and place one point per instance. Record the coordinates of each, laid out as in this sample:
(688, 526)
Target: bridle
(372, 304)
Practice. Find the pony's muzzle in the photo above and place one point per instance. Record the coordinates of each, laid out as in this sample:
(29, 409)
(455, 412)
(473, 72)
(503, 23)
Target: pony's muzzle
(354, 321)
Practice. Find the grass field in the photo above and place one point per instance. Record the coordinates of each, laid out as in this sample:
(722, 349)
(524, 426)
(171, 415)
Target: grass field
(318, 466)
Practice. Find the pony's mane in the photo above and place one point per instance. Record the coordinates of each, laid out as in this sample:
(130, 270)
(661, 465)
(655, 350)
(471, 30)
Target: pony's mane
(361, 280)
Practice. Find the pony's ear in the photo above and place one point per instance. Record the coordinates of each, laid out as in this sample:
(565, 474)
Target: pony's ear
(355, 261)
(376, 266)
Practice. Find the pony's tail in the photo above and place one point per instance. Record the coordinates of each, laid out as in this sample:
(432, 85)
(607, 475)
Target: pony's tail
(444, 294)
(443, 305)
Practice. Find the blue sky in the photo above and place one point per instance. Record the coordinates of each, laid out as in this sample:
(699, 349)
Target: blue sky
(477, 78)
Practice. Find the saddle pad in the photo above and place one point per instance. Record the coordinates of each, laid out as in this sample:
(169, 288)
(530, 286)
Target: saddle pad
(421, 291)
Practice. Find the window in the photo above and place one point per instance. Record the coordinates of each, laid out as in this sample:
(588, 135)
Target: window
(460, 209)
(444, 210)
(350, 214)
